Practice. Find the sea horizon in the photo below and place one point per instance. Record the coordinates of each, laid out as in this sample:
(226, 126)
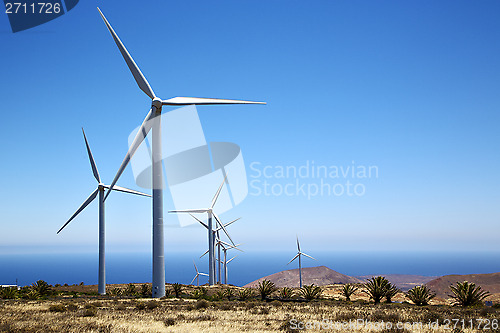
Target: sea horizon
(135, 267)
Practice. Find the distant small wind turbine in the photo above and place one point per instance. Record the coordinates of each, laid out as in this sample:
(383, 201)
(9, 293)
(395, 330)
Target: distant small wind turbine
(211, 239)
(197, 276)
(225, 267)
(298, 255)
(216, 238)
(225, 247)
(102, 230)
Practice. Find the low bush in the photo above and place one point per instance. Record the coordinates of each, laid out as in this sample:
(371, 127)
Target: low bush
(57, 308)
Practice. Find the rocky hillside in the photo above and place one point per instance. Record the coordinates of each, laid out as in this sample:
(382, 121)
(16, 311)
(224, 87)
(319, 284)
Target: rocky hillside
(489, 282)
(320, 276)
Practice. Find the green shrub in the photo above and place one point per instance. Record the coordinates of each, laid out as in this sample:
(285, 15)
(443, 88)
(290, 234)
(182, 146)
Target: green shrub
(348, 290)
(152, 305)
(420, 295)
(310, 292)
(200, 293)
(245, 294)
(201, 304)
(286, 293)
(140, 306)
(72, 307)
(376, 288)
(146, 290)
(468, 294)
(57, 308)
(266, 288)
(42, 288)
(89, 312)
(391, 291)
(8, 293)
(177, 289)
(228, 293)
(130, 290)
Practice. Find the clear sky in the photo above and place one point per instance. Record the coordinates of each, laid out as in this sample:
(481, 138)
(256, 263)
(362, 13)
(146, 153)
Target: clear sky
(409, 87)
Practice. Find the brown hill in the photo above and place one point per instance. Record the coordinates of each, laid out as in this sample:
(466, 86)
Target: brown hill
(489, 282)
(403, 281)
(320, 276)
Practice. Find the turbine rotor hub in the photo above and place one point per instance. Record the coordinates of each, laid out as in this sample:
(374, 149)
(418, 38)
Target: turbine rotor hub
(156, 103)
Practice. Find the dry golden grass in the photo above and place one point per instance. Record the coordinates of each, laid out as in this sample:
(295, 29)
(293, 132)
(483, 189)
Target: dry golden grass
(106, 314)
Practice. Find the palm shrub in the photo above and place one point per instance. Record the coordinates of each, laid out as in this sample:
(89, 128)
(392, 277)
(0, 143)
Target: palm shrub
(420, 295)
(8, 293)
(130, 290)
(286, 292)
(228, 293)
(115, 292)
(42, 288)
(32, 294)
(310, 292)
(245, 294)
(348, 290)
(146, 290)
(177, 288)
(376, 288)
(266, 288)
(200, 293)
(391, 291)
(467, 294)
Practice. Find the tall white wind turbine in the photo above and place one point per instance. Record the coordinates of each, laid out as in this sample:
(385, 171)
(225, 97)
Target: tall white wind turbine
(298, 255)
(153, 122)
(211, 232)
(197, 276)
(102, 230)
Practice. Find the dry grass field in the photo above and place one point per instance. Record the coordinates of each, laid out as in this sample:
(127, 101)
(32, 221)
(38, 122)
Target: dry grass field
(88, 313)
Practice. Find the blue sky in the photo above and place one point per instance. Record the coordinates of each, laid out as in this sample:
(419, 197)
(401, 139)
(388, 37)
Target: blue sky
(410, 87)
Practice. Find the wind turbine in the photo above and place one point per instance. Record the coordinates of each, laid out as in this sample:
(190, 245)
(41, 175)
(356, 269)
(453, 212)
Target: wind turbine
(197, 276)
(225, 267)
(211, 232)
(153, 122)
(218, 240)
(102, 230)
(298, 255)
(225, 247)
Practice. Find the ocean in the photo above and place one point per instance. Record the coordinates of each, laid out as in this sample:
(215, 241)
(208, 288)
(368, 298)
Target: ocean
(247, 267)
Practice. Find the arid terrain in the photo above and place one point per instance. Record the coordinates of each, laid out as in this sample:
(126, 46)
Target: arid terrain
(78, 309)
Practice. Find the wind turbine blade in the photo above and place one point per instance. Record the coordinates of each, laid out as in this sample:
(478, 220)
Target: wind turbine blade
(136, 72)
(203, 274)
(227, 262)
(216, 196)
(194, 278)
(195, 268)
(140, 136)
(204, 101)
(298, 245)
(127, 190)
(82, 207)
(306, 255)
(223, 228)
(197, 219)
(294, 258)
(91, 158)
(204, 254)
(229, 246)
(194, 211)
(227, 224)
